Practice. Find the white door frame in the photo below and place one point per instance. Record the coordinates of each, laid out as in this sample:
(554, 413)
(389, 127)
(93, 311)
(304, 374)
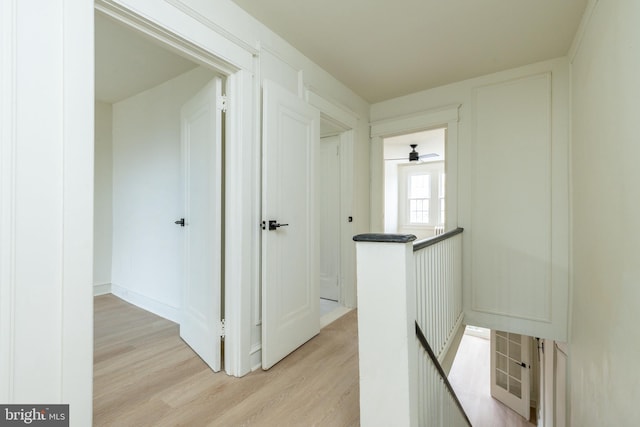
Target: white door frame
(241, 177)
(446, 117)
(347, 122)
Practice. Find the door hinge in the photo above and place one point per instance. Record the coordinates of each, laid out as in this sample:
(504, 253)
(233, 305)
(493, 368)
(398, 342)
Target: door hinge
(222, 103)
(223, 328)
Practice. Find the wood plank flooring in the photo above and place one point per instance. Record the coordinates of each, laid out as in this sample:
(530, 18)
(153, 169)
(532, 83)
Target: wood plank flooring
(470, 378)
(144, 375)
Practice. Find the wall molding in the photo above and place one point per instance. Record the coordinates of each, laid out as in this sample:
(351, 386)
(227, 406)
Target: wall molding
(415, 122)
(7, 196)
(256, 357)
(188, 10)
(334, 112)
(156, 307)
(446, 116)
(540, 314)
(172, 40)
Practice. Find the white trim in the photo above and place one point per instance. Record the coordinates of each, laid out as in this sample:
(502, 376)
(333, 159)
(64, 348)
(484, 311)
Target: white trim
(7, 197)
(241, 141)
(445, 117)
(415, 122)
(452, 337)
(101, 289)
(156, 307)
(343, 118)
(256, 357)
(171, 40)
(450, 350)
(189, 11)
(337, 114)
(333, 315)
(242, 215)
(77, 173)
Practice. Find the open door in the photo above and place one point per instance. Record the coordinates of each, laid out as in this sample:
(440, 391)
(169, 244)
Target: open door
(201, 136)
(329, 217)
(511, 370)
(290, 296)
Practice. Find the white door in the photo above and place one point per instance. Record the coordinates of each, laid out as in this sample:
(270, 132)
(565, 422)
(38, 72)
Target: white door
(290, 298)
(511, 370)
(201, 151)
(329, 217)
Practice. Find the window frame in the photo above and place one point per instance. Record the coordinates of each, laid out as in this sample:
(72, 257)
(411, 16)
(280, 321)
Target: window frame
(435, 171)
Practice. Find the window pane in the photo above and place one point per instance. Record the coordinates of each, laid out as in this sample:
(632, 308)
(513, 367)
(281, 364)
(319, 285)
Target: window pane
(418, 211)
(441, 186)
(419, 186)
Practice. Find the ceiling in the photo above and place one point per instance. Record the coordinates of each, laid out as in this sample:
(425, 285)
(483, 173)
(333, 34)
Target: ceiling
(383, 49)
(127, 63)
(428, 142)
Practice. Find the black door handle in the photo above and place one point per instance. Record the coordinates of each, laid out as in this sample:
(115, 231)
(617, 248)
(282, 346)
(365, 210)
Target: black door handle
(180, 222)
(273, 225)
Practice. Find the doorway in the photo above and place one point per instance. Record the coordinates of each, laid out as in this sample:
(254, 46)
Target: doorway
(471, 376)
(334, 220)
(141, 184)
(414, 183)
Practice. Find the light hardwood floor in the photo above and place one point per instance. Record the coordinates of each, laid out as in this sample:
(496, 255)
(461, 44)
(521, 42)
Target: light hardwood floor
(144, 375)
(469, 377)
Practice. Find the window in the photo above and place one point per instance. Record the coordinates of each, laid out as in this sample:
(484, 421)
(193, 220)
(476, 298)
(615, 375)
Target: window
(441, 198)
(419, 195)
(422, 195)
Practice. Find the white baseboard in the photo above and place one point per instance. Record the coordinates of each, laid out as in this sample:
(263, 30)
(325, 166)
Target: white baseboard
(333, 315)
(156, 307)
(101, 289)
(451, 346)
(255, 357)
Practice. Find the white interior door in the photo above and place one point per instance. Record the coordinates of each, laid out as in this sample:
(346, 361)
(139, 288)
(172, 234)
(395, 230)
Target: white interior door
(511, 370)
(329, 217)
(290, 297)
(201, 151)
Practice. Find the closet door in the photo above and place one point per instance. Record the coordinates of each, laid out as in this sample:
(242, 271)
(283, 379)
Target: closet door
(202, 165)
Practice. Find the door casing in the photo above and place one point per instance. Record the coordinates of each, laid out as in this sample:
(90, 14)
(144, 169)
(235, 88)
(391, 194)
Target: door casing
(241, 173)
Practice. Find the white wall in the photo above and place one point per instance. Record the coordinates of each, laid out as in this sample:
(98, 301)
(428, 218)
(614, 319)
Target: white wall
(478, 166)
(605, 338)
(102, 202)
(147, 194)
(46, 204)
(242, 43)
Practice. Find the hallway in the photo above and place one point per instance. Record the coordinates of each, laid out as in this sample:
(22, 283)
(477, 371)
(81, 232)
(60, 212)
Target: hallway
(144, 375)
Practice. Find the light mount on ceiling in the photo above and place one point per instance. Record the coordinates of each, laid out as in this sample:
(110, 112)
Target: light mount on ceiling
(414, 156)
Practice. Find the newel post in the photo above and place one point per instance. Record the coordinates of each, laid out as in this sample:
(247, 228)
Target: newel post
(386, 331)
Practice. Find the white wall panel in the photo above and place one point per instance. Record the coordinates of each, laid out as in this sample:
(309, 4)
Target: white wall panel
(546, 115)
(511, 208)
(46, 204)
(518, 211)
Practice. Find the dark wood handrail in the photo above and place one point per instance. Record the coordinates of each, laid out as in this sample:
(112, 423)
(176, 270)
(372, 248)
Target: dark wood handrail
(434, 359)
(425, 243)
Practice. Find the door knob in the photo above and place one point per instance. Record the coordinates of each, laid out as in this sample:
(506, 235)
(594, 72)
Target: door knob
(180, 222)
(273, 225)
